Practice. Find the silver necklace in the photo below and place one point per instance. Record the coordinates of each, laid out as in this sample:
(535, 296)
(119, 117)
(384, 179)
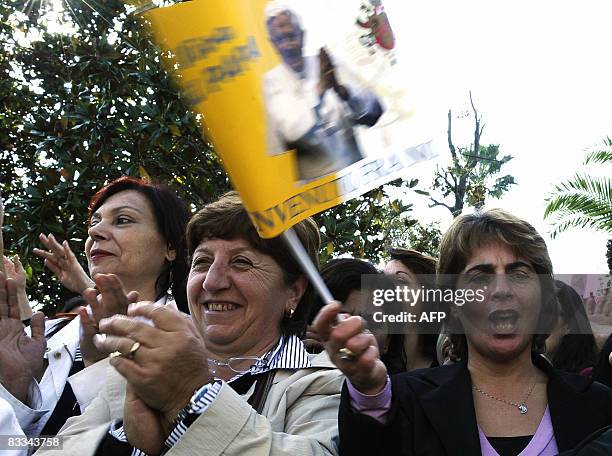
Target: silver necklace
(522, 407)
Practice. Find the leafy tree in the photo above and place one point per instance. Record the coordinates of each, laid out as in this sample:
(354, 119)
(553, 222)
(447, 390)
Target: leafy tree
(473, 175)
(78, 109)
(367, 226)
(583, 201)
(91, 102)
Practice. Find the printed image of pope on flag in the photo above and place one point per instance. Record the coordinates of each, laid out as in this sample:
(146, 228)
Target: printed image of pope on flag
(308, 108)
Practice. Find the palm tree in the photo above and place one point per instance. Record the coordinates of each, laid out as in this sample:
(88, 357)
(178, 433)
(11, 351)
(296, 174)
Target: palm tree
(584, 201)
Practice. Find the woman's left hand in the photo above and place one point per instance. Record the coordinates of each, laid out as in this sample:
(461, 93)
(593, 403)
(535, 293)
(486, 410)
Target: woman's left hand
(170, 363)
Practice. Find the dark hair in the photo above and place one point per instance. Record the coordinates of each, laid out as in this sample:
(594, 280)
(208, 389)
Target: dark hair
(577, 349)
(424, 266)
(469, 232)
(417, 262)
(171, 216)
(227, 219)
(342, 276)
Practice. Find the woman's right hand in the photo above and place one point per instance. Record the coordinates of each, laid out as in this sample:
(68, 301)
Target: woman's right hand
(365, 370)
(62, 262)
(21, 356)
(107, 299)
(15, 270)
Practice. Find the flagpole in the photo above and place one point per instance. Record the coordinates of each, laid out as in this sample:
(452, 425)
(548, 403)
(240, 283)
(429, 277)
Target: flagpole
(302, 257)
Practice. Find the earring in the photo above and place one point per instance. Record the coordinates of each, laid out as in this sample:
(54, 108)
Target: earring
(170, 278)
(289, 312)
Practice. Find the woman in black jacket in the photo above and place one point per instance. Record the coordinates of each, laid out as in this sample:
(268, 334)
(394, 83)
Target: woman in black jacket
(501, 397)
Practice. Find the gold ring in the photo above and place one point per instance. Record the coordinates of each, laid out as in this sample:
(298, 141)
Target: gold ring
(128, 355)
(133, 350)
(346, 354)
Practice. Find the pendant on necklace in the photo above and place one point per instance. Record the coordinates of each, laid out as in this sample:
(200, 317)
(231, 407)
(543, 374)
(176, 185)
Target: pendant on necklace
(522, 408)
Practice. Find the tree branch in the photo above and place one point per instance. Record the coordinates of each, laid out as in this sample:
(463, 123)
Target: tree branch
(451, 146)
(444, 178)
(471, 163)
(438, 203)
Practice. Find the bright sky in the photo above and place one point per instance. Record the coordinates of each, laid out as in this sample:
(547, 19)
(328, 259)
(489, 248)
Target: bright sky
(539, 73)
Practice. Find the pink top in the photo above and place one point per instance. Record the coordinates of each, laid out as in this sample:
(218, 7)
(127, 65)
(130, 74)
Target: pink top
(543, 442)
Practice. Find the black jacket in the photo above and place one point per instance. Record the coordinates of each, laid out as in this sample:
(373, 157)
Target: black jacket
(602, 372)
(432, 413)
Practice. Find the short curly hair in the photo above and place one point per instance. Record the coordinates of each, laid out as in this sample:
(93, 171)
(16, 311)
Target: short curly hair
(228, 219)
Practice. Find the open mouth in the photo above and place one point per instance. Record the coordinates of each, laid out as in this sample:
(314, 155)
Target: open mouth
(219, 306)
(504, 321)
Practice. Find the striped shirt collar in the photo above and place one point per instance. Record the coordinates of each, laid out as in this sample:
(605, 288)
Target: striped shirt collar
(288, 353)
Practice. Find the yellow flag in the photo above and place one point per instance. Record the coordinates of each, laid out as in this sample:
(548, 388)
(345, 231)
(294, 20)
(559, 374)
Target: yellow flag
(300, 120)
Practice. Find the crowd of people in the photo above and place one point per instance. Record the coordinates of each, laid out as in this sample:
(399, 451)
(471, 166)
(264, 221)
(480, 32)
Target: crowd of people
(190, 334)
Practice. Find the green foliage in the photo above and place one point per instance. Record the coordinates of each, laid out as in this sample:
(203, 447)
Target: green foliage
(422, 238)
(80, 109)
(367, 226)
(583, 201)
(473, 175)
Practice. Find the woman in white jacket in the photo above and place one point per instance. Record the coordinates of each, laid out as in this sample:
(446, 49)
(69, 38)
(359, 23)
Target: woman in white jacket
(136, 233)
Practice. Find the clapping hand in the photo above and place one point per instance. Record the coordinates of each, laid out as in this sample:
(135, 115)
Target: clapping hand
(163, 363)
(15, 270)
(352, 349)
(21, 356)
(61, 261)
(107, 299)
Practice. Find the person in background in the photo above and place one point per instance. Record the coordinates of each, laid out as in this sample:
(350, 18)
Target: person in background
(590, 303)
(602, 372)
(343, 279)
(20, 356)
(501, 397)
(411, 351)
(136, 231)
(14, 270)
(571, 345)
